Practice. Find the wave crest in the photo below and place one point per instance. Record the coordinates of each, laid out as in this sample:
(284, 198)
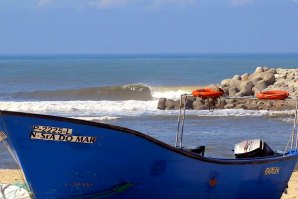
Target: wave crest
(113, 93)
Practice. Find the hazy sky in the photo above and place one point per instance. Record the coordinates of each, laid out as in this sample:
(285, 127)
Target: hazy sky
(148, 26)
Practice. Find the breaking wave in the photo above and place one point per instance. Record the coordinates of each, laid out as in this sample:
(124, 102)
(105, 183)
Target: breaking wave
(114, 93)
(111, 93)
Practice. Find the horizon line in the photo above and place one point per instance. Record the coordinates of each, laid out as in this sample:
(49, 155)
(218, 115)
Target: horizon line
(131, 54)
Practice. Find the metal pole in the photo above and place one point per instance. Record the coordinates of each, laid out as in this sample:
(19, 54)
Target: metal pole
(294, 128)
(295, 123)
(183, 118)
(179, 122)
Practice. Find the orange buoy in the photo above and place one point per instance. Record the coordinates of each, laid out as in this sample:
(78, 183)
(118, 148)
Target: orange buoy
(273, 95)
(207, 93)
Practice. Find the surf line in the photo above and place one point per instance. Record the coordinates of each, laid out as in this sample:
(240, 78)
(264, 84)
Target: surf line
(62, 138)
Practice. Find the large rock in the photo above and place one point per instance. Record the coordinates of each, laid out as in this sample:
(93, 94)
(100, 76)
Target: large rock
(236, 77)
(188, 103)
(162, 103)
(171, 104)
(233, 91)
(222, 104)
(246, 88)
(245, 77)
(240, 94)
(261, 85)
(199, 104)
(272, 70)
(256, 79)
(229, 106)
(259, 70)
(226, 90)
(240, 106)
(269, 78)
(235, 83)
(225, 82)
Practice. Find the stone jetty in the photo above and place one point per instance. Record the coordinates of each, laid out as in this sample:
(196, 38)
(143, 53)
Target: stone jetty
(246, 85)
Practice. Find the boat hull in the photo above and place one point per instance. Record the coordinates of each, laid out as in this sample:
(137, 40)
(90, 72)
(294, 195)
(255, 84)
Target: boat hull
(102, 160)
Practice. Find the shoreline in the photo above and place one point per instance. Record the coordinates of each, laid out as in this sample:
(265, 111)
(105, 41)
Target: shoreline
(12, 176)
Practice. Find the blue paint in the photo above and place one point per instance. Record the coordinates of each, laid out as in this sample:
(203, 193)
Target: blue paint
(139, 166)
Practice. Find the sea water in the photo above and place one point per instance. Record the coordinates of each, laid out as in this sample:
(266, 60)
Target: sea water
(124, 90)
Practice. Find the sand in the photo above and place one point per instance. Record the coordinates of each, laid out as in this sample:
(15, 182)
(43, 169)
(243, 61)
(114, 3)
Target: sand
(293, 187)
(8, 176)
(13, 177)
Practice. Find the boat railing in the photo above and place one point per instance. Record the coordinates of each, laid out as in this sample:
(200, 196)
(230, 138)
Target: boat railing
(293, 139)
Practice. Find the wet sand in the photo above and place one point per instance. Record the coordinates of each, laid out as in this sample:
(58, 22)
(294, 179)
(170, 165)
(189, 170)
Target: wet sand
(13, 177)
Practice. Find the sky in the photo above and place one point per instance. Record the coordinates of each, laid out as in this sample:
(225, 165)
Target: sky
(148, 26)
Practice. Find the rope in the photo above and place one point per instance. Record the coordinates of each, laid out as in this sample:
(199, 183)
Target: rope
(12, 193)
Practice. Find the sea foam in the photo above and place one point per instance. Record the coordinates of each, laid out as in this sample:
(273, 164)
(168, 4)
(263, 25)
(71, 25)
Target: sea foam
(111, 110)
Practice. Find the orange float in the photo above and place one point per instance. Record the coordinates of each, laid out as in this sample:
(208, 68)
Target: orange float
(273, 95)
(207, 93)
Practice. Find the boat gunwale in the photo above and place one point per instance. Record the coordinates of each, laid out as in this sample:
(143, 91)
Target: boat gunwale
(259, 160)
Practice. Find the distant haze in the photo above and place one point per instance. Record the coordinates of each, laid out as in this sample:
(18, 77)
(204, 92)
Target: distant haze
(148, 26)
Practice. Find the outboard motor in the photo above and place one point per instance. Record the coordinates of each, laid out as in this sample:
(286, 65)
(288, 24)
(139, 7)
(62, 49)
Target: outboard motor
(252, 149)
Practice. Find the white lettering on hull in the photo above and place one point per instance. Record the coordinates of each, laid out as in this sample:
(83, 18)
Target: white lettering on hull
(62, 138)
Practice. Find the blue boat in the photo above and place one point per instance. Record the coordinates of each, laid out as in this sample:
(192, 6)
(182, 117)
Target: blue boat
(69, 158)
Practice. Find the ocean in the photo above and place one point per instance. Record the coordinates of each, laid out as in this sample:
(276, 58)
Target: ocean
(124, 90)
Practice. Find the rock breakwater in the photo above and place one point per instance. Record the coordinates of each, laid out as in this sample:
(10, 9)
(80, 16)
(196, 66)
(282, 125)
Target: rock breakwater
(246, 85)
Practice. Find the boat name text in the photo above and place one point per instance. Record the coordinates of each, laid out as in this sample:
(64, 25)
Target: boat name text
(62, 138)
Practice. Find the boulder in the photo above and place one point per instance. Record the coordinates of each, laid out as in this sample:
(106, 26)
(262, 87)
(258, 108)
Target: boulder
(231, 101)
(236, 77)
(199, 104)
(235, 83)
(259, 70)
(226, 90)
(162, 103)
(233, 91)
(240, 94)
(272, 70)
(241, 106)
(222, 103)
(269, 78)
(244, 77)
(225, 82)
(213, 86)
(261, 85)
(229, 106)
(188, 103)
(170, 104)
(246, 88)
(256, 79)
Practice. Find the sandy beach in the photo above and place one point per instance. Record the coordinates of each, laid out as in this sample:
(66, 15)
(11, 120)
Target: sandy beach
(293, 187)
(8, 176)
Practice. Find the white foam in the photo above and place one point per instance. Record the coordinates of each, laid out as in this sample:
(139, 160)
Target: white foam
(111, 110)
(168, 94)
(83, 108)
(97, 118)
(286, 116)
